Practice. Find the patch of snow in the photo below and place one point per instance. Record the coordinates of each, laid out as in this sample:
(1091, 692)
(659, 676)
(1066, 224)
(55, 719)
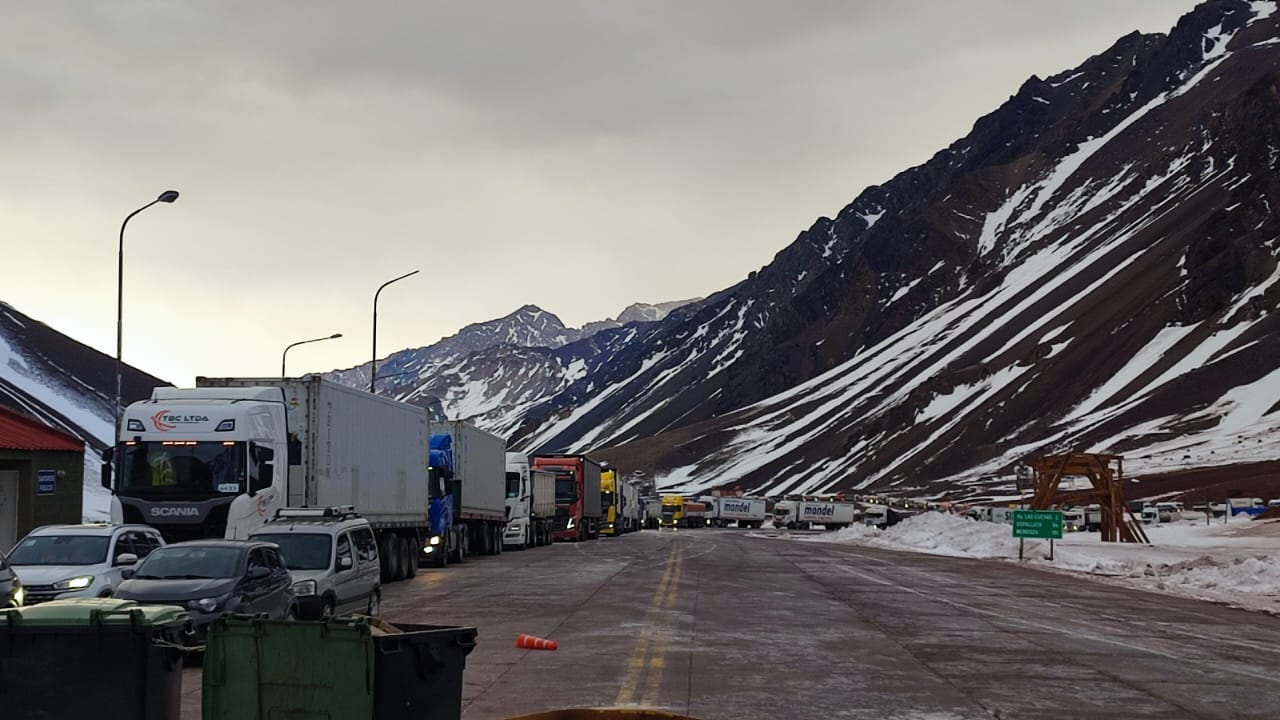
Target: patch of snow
(1261, 9)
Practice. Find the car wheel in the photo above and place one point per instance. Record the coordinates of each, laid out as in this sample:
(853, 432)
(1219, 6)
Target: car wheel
(375, 603)
(326, 610)
(292, 614)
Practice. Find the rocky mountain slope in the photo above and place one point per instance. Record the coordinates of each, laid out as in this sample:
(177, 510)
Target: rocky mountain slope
(1092, 267)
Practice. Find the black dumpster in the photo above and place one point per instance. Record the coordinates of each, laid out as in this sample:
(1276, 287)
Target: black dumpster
(417, 673)
(93, 658)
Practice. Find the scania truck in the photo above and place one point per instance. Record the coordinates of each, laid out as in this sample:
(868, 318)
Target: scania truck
(219, 459)
(578, 508)
(531, 504)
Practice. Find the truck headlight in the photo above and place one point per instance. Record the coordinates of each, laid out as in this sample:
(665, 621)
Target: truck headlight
(304, 588)
(570, 525)
(435, 540)
(75, 583)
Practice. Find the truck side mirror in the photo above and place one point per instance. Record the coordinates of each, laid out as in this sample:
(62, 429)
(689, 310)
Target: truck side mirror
(107, 456)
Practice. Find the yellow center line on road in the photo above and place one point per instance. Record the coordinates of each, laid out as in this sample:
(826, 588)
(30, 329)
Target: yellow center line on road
(657, 660)
(636, 663)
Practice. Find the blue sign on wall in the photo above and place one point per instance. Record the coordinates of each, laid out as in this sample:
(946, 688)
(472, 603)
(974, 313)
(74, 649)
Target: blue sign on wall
(46, 481)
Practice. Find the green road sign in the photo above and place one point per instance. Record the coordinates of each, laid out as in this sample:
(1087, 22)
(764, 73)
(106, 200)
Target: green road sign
(1044, 524)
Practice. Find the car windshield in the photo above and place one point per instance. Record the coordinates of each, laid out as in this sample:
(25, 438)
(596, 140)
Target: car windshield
(302, 551)
(60, 550)
(192, 562)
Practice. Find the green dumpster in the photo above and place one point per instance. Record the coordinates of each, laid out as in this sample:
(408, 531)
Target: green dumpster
(77, 657)
(259, 669)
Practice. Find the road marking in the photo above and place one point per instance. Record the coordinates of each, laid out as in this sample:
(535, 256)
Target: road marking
(636, 663)
(658, 660)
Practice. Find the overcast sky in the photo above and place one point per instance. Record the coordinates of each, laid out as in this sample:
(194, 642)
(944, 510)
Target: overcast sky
(580, 156)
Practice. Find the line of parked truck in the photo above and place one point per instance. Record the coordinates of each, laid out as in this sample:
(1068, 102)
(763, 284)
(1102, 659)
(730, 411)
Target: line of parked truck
(220, 459)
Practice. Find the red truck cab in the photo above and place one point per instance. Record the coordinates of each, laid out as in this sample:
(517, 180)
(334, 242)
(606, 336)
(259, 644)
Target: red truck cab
(577, 495)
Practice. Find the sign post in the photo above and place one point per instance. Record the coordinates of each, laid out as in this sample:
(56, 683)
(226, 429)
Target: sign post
(1040, 524)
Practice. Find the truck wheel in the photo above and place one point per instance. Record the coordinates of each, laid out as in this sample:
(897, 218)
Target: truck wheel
(393, 551)
(410, 558)
(386, 546)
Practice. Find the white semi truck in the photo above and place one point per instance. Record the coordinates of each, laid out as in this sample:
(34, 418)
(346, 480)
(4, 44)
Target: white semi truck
(219, 459)
(531, 504)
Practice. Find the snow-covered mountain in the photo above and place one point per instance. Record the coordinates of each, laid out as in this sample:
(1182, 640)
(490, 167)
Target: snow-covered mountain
(499, 369)
(1093, 267)
(67, 385)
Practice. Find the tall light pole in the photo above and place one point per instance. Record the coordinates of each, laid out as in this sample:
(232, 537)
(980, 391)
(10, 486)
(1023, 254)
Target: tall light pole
(285, 354)
(373, 364)
(167, 196)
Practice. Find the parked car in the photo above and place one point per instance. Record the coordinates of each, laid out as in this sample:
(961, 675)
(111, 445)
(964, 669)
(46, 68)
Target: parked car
(11, 592)
(333, 557)
(67, 561)
(212, 577)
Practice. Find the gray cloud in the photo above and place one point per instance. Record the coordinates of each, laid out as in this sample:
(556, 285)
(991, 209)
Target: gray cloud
(579, 155)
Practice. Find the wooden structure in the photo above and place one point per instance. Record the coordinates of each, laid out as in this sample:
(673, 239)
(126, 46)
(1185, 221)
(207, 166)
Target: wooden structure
(1106, 474)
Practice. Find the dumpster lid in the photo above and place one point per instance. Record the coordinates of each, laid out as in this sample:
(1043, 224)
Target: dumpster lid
(95, 611)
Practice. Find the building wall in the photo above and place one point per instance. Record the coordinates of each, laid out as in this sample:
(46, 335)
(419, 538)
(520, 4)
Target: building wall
(65, 505)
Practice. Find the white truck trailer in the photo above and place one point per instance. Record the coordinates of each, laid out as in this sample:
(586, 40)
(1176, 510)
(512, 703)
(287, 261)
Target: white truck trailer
(219, 459)
(531, 504)
(745, 512)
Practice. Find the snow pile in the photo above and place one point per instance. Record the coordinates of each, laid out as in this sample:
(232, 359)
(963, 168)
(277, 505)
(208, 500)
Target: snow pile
(1234, 563)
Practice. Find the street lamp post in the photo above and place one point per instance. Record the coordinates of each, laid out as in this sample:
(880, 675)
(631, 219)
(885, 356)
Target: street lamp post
(285, 354)
(168, 196)
(373, 363)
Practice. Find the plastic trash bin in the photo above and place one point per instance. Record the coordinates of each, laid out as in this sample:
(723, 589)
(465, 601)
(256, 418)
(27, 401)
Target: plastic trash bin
(259, 669)
(91, 657)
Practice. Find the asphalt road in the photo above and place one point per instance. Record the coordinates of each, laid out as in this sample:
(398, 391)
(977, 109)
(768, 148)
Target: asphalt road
(727, 625)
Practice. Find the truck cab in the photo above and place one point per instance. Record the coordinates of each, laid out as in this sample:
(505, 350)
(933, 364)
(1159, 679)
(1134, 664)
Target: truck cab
(672, 511)
(200, 463)
(611, 503)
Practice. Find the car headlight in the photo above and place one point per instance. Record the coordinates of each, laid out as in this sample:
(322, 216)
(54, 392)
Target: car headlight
(207, 604)
(75, 583)
(19, 596)
(304, 588)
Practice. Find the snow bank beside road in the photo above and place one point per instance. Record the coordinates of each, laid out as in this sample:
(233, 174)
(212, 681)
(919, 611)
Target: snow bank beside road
(1233, 564)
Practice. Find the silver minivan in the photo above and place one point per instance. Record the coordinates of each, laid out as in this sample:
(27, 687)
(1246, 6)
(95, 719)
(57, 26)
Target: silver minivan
(332, 556)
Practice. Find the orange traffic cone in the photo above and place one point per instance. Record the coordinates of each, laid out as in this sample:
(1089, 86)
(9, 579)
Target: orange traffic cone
(529, 642)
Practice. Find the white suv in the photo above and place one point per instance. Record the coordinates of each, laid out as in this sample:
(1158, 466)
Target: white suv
(65, 561)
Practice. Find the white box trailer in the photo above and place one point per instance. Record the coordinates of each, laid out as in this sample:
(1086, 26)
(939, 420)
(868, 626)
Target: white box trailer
(348, 447)
(831, 515)
(745, 512)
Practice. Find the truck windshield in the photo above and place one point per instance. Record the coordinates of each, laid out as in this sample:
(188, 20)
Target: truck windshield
(606, 499)
(566, 488)
(183, 466)
(513, 484)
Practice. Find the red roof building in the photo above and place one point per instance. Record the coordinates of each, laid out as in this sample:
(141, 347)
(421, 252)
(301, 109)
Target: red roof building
(22, 432)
